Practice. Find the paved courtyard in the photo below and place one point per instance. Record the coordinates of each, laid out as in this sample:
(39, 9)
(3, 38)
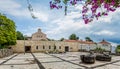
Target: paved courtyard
(69, 60)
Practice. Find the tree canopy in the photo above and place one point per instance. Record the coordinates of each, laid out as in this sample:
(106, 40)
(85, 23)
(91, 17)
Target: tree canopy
(73, 37)
(20, 36)
(118, 49)
(62, 39)
(88, 39)
(7, 31)
(90, 8)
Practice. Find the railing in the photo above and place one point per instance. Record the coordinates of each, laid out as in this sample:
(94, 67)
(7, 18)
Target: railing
(5, 52)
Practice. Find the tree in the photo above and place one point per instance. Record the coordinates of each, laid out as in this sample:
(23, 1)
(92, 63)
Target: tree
(7, 31)
(77, 38)
(88, 39)
(91, 8)
(48, 39)
(118, 49)
(99, 49)
(73, 37)
(61, 39)
(20, 36)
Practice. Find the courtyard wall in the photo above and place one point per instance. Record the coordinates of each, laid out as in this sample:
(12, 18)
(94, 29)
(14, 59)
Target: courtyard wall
(43, 46)
(61, 46)
(5, 52)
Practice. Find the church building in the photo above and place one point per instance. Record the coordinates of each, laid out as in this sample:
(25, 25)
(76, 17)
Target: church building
(38, 43)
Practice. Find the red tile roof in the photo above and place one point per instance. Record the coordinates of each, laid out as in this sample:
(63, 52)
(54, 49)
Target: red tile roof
(104, 42)
(80, 41)
(71, 40)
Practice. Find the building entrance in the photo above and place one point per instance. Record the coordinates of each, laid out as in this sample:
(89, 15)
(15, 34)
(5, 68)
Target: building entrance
(66, 48)
(27, 48)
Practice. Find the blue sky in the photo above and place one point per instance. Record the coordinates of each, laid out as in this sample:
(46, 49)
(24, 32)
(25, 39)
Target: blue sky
(56, 25)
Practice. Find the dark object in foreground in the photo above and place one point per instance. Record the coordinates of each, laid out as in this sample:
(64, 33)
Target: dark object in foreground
(88, 58)
(103, 57)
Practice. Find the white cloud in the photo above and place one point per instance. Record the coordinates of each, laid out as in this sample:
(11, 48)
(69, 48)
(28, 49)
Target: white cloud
(78, 7)
(41, 16)
(67, 25)
(105, 19)
(72, 15)
(7, 5)
(105, 32)
(13, 8)
(114, 44)
(19, 10)
(72, 23)
(56, 25)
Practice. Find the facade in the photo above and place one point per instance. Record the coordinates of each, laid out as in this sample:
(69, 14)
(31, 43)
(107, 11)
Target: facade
(38, 43)
(104, 45)
(43, 46)
(87, 46)
(84, 45)
(39, 35)
(61, 46)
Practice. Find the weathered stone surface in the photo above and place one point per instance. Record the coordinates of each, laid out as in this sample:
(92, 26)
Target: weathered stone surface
(69, 60)
(5, 52)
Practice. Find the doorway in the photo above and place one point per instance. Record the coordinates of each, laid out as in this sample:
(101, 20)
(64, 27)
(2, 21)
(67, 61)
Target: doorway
(66, 49)
(27, 49)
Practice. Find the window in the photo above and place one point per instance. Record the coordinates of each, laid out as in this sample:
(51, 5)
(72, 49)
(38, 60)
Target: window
(54, 47)
(37, 47)
(105, 45)
(43, 47)
(59, 47)
(49, 47)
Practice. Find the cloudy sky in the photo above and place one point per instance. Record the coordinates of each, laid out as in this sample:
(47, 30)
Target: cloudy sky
(56, 25)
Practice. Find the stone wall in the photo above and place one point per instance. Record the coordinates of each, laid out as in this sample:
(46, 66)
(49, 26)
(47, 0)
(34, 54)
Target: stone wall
(87, 47)
(39, 35)
(5, 52)
(42, 46)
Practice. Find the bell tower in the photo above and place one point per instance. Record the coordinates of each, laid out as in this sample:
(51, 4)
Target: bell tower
(39, 30)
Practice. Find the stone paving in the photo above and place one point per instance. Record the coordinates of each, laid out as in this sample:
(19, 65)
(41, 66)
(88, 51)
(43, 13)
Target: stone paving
(21, 61)
(69, 60)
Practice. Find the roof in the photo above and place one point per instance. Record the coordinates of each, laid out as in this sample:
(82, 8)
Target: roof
(89, 42)
(71, 40)
(39, 32)
(80, 41)
(104, 42)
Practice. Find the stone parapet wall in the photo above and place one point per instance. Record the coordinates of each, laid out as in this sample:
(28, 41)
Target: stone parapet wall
(5, 52)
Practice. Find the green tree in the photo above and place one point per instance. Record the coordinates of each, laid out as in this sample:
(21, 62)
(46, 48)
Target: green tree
(118, 49)
(20, 36)
(73, 37)
(88, 39)
(48, 39)
(99, 49)
(7, 31)
(77, 38)
(61, 39)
